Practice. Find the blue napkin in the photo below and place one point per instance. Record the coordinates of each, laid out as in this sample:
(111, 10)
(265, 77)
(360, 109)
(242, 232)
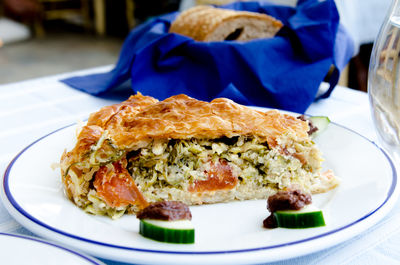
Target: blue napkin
(282, 72)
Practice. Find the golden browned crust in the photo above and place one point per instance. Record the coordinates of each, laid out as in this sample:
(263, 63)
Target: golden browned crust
(128, 107)
(206, 23)
(139, 120)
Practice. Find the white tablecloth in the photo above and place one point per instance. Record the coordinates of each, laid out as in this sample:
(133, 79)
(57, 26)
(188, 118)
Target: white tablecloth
(33, 108)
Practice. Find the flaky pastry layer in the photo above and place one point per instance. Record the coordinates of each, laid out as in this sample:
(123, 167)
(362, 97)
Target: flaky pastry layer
(142, 119)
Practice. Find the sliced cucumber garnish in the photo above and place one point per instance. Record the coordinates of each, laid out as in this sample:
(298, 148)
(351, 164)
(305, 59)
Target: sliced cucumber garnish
(180, 231)
(321, 122)
(305, 218)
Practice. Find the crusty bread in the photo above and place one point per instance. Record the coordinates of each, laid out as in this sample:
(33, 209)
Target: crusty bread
(206, 23)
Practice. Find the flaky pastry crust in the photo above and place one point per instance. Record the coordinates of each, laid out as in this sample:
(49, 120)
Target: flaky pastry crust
(141, 119)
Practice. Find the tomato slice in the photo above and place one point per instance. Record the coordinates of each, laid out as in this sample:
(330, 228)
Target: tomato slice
(117, 188)
(220, 177)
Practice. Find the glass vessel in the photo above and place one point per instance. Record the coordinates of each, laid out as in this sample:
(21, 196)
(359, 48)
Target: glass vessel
(384, 81)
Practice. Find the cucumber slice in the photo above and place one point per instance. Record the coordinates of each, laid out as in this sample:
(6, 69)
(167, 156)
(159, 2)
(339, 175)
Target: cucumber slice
(305, 218)
(321, 122)
(180, 231)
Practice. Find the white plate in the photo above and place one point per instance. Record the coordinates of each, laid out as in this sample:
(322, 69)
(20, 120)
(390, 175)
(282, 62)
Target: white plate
(18, 249)
(225, 233)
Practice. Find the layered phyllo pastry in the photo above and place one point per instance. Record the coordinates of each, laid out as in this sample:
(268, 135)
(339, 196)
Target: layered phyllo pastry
(182, 149)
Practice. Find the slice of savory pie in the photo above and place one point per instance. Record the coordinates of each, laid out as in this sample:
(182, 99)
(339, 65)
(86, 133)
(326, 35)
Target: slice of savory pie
(143, 150)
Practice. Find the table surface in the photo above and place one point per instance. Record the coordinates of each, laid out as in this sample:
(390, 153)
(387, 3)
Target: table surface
(33, 108)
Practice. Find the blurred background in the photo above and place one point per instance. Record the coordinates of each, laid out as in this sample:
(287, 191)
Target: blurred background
(45, 37)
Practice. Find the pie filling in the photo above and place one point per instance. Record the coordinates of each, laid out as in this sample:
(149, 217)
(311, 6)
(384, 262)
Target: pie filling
(111, 181)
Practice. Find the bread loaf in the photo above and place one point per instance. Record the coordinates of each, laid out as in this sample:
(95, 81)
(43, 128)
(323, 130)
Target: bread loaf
(207, 23)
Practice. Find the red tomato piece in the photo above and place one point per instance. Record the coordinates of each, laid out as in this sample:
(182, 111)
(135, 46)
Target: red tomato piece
(117, 188)
(220, 177)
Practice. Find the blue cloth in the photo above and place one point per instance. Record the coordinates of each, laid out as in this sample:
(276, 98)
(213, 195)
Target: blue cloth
(282, 72)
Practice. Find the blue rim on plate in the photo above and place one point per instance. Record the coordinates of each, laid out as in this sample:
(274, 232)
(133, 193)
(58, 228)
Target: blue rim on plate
(17, 207)
(38, 240)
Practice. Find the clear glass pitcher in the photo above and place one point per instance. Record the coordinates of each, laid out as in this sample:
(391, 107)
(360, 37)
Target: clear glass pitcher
(384, 81)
